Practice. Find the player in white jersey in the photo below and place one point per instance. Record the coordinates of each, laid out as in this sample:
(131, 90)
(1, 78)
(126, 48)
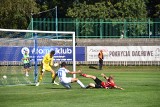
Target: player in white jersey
(64, 80)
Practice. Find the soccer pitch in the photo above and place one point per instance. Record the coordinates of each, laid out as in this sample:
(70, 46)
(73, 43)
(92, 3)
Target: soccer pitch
(141, 84)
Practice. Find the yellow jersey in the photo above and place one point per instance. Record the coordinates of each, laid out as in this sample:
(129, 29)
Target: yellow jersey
(47, 60)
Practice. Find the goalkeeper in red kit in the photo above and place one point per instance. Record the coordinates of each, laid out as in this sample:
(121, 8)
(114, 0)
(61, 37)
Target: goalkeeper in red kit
(108, 84)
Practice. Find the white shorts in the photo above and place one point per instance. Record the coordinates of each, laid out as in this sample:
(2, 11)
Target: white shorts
(66, 82)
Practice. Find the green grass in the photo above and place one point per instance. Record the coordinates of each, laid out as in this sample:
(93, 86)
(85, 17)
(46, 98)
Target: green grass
(141, 84)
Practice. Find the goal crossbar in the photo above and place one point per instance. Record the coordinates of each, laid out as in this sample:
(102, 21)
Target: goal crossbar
(36, 31)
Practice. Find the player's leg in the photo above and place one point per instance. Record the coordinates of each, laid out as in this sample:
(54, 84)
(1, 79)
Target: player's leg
(41, 73)
(90, 85)
(74, 80)
(41, 76)
(42, 70)
(100, 64)
(53, 77)
(27, 72)
(97, 85)
(28, 69)
(89, 76)
(71, 80)
(78, 81)
(24, 66)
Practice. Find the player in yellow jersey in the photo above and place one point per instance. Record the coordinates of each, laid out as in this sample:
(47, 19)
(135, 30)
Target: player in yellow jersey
(46, 65)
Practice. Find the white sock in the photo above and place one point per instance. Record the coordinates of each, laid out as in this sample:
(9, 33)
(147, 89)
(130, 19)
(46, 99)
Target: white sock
(26, 73)
(81, 84)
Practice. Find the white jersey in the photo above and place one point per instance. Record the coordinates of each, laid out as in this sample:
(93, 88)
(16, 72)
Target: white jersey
(65, 81)
(62, 73)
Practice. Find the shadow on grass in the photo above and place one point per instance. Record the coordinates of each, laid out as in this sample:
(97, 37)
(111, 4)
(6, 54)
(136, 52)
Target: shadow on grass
(92, 67)
(30, 85)
(61, 88)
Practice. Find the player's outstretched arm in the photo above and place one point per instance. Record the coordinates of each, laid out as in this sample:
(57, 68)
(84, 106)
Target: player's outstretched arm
(104, 76)
(77, 72)
(118, 87)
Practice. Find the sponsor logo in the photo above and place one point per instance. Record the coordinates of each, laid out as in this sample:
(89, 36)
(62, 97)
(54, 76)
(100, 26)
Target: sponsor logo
(24, 49)
(63, 51)
(157, 53)
(57, 50)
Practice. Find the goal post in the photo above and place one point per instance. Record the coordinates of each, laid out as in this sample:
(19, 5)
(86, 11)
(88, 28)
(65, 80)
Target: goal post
(34, 37)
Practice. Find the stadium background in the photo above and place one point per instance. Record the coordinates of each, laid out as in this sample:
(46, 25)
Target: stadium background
(140, 79)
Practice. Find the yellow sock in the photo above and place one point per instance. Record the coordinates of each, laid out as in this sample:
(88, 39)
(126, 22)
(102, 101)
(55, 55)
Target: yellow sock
(40, 78)
(53, 77)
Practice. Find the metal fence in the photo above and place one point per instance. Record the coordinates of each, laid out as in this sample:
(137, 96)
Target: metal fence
(100, 28)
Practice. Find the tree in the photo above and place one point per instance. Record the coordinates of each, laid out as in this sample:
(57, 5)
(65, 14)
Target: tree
(97, 10)
(50, 4)
(115, 10)
(157, 11)
(153, 8)
(131, 9)
(16, 14)
(87, 12)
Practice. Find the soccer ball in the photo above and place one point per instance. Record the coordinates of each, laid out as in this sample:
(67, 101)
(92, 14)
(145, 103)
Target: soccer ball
(56, 64)
(4, 77)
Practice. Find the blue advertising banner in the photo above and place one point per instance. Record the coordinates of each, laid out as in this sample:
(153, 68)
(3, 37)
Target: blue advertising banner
(61, 53)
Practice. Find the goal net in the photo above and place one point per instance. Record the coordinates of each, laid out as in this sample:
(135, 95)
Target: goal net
(15, 43)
